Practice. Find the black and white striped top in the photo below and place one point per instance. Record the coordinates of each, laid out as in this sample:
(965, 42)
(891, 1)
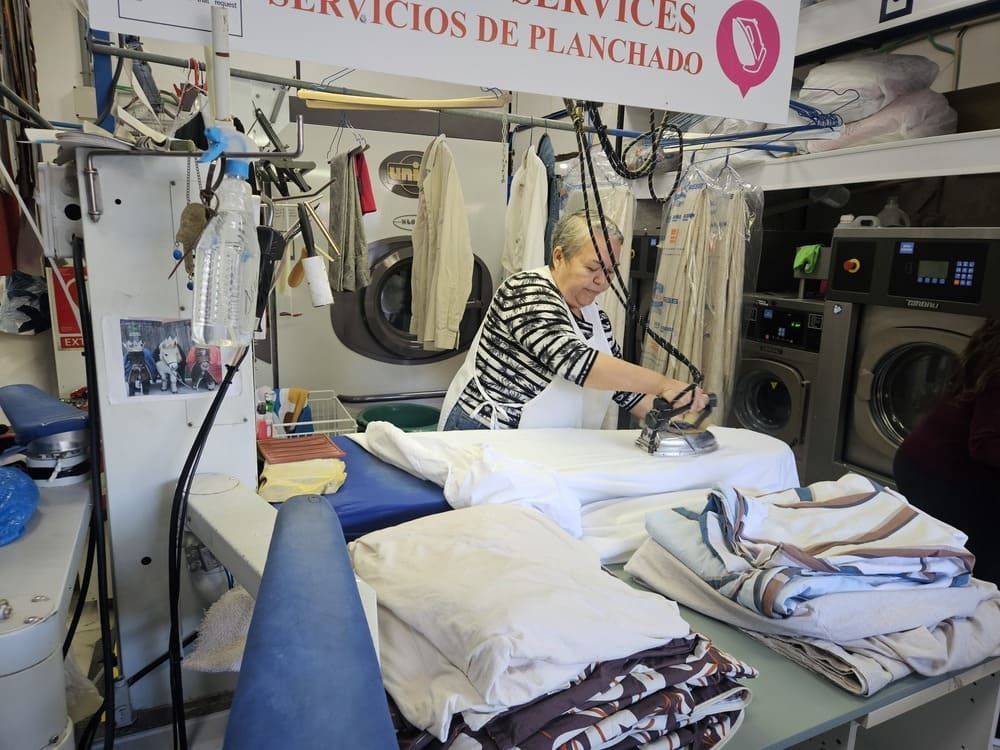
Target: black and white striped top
(527, 340)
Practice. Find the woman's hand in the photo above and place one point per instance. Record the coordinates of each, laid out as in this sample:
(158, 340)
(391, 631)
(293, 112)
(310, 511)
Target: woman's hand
(696, 400)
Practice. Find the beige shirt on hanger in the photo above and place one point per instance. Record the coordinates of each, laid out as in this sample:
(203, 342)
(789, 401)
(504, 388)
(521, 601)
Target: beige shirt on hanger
(441, 279)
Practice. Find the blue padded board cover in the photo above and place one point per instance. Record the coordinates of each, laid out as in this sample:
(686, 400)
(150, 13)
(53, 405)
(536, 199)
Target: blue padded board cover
(310, 678)
(377, 495)
(34, 414)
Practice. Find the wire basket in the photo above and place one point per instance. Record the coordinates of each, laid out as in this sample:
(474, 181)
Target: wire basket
(329, 417)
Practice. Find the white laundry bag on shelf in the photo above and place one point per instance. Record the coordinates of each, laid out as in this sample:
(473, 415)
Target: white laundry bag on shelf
(861, 86)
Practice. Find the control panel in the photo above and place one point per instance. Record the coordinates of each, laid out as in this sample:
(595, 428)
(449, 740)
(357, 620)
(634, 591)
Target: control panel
(950, 269)
(938, 269)
(792, 323)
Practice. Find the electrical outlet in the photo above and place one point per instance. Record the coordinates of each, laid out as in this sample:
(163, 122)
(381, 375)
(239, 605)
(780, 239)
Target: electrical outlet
(85, 102)
(892, 9)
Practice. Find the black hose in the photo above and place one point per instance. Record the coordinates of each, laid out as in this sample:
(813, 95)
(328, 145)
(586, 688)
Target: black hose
(178, 517)
(158, 661)
(88, 567)
(8, 92)
(90, 731)
(113, 89)
(631, 311)
(97, 509)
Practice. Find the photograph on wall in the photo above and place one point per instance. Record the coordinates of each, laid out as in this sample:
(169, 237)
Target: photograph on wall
(159, 359)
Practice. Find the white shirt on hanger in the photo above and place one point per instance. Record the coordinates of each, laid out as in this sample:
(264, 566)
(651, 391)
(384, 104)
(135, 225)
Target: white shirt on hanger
(527, 212)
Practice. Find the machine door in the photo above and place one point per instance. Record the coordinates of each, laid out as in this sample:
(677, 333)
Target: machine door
(901, 374)
(375, 321)
(770, 397)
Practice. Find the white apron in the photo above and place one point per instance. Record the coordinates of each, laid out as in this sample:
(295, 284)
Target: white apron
(560, 404)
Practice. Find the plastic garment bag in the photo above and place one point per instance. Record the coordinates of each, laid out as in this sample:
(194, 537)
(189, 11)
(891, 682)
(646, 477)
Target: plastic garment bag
(736, 218)
(677, 310)
(18, 501)
(698, 290)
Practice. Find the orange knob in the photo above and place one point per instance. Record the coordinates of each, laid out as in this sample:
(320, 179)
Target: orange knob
(852, 265)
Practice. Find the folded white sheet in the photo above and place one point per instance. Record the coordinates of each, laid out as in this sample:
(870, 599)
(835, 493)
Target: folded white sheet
(493, 606)
(558, 471)
(616, 528)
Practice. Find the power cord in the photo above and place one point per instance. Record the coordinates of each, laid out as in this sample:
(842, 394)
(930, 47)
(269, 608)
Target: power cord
(631, 311)
(272, 246)
(97, 518)
(178, 518)
(88, 567)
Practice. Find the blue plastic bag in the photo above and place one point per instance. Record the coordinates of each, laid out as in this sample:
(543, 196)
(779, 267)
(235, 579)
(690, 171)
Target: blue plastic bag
(18, 501)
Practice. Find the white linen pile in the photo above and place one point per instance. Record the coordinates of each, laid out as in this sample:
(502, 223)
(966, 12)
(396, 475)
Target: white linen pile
(846, 578)
(560, 471)
(880, 97)
(492, 607)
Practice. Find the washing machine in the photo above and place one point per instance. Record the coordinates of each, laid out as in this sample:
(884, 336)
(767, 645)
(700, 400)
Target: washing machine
(778, 365)
(901, 307)
(360, 347)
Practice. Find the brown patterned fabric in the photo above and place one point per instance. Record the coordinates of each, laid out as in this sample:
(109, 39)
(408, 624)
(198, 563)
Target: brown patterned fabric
(661, 694)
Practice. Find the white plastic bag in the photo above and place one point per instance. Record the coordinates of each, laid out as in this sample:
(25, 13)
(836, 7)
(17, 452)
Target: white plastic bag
(916, 115)
(861, 86)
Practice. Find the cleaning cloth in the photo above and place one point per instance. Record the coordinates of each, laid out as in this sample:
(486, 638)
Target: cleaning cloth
(317, 476)
(222, 635)
(805, 258)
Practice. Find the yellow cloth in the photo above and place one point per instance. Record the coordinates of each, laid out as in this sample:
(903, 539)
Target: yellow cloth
(299, 397)
(317, 476)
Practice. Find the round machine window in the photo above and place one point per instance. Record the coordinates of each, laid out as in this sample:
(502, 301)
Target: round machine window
(907, 381)
(766, 405)
(395, 297)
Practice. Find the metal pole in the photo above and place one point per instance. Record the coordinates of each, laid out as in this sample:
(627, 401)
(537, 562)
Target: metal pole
(249, 75)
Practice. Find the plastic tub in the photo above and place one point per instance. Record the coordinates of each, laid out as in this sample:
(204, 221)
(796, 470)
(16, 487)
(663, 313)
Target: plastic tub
(407, 417)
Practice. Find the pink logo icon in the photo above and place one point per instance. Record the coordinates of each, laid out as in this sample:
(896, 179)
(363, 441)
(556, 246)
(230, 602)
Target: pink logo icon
(748, 43)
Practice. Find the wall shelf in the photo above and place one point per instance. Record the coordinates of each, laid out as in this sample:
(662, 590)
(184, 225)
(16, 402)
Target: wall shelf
(938, 156)
(833, 22)
(960, 153)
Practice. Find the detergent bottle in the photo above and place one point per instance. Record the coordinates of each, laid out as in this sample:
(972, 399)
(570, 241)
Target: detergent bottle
(892, 215)
(227, 257)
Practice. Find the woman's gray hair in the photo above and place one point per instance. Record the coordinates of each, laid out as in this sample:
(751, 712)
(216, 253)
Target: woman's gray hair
(572, 232)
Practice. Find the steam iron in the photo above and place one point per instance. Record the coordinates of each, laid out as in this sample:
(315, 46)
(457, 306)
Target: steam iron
(664, 434)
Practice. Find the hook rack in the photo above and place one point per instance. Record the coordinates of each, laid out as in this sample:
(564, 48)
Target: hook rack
(95, 204)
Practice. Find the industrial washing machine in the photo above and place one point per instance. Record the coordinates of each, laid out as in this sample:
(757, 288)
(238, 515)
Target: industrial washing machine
(361, 346)
(901, 307)
(779, 358)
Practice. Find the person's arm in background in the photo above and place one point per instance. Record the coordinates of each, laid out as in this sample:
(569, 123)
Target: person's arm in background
(984, 430)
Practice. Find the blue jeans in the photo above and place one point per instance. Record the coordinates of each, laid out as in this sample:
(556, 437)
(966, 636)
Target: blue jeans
(459, 420)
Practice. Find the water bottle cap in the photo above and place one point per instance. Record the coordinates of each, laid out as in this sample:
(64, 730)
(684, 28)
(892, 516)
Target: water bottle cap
(238, 168)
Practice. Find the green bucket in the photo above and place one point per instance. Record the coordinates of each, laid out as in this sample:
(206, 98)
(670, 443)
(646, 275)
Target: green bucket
(407, 417)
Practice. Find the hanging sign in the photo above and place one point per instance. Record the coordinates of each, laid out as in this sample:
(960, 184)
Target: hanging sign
(721, 57)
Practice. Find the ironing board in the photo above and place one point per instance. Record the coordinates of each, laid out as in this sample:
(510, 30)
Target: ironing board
(376, 495)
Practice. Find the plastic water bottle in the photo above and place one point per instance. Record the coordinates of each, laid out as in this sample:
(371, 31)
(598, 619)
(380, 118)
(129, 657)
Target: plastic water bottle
(892, 215)
(227, 261)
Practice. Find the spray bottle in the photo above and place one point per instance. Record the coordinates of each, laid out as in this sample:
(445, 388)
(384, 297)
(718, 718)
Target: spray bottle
(227, 256)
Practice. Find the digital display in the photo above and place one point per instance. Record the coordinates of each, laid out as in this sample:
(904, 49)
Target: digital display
(906, 248)
(783, 326)
(933, 269)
